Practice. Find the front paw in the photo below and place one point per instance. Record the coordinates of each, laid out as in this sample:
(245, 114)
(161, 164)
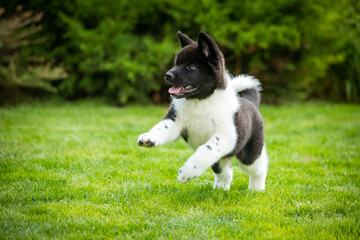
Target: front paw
(188, 172)
(146, 140)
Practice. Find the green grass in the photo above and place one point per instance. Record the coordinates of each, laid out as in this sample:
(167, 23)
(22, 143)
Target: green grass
(74, 171)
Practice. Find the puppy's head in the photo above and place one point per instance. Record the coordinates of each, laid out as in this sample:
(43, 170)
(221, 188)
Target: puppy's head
(199, 68)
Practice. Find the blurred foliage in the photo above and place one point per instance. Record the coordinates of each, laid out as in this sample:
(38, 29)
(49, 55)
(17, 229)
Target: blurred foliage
(299, 49)
(18, 70)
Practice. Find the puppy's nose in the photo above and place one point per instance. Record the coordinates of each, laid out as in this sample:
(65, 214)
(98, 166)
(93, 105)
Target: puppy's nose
(169, 76)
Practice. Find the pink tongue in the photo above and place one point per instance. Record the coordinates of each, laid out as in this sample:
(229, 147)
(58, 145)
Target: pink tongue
(175, 89)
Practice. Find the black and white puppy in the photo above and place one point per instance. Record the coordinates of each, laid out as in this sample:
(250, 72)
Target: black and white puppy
(215, 113)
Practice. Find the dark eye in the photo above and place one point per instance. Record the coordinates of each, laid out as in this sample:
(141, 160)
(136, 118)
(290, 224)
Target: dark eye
(190, 67)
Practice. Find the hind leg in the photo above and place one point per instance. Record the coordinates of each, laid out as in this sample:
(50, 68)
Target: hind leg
(223, 173)
(257, 171)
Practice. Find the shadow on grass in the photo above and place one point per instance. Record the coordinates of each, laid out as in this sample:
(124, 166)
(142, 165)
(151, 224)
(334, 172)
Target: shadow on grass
(191, 194)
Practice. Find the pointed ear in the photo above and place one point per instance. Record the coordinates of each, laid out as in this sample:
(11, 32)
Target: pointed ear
(184, 39)
(208, 46)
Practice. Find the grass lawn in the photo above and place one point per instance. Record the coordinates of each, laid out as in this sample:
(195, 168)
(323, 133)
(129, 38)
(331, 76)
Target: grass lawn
(74, 171)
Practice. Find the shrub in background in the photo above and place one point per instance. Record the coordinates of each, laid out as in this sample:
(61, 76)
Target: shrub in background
(18, 70)
(300, 50)
(121, 49)
(111, 61)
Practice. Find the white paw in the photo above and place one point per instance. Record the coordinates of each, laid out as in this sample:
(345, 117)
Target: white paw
(189, 172)
(257, 183)
(148, 140)
(259, 188)
(222, 183)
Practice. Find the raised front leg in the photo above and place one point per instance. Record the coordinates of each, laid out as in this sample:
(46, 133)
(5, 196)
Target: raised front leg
(205, 156)
(165, 131)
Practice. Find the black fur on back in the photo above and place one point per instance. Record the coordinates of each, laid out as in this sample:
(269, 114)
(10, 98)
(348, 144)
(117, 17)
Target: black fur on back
(250, 130)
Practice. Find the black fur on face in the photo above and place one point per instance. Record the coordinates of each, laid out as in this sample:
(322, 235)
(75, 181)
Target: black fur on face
(199, 68)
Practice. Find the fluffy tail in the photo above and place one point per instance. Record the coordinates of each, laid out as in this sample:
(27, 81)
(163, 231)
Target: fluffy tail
(249, 87)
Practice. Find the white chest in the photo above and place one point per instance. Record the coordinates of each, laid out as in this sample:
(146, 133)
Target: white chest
(198, 126)
(201, 119)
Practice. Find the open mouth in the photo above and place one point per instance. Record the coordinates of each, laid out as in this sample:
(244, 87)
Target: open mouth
(181, 90)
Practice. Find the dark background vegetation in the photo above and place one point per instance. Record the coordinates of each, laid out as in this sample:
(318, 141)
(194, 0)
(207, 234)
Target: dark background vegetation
(119, 50)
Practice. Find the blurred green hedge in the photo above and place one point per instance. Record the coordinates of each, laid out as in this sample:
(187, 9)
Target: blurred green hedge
(120, 50)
